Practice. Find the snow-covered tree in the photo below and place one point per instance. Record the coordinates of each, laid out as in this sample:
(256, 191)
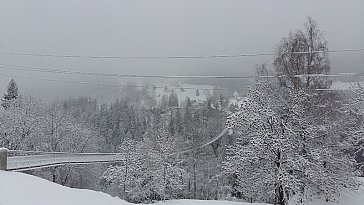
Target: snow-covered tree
(163, 170)
(149, 172)
(21, 124)
(172, 125)
(29, 124)
(288, 63)
(164, 102)
(128, 176)
(178, 124)
(356, 108)
(283, 149)
(173, 99)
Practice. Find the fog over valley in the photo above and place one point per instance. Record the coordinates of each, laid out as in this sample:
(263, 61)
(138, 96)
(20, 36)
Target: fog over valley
(164, 28)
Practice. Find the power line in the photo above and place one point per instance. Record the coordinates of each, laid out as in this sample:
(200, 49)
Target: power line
(329, 75)
(173, 57)
(101, 84)
(61, 71)
(101, 74)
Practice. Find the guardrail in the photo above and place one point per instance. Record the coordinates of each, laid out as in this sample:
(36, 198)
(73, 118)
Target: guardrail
(49, 159)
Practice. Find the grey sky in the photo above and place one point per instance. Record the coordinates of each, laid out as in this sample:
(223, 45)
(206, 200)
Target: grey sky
(168, 28)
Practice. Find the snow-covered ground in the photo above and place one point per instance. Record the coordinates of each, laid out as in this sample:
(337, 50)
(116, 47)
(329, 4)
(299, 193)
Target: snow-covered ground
(204, 90)
(338, 85)
(204, 202)
(347, 197)
(22, 189)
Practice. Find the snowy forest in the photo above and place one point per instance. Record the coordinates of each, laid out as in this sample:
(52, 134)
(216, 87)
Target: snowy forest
(290, 137)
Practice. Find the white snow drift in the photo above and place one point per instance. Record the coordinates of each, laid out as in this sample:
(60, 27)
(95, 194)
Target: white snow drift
(22, 189)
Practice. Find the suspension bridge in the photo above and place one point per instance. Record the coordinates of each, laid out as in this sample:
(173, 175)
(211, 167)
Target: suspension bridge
(18, 160)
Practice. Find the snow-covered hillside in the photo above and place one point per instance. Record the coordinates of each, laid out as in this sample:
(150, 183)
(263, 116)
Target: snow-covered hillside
(22, 189)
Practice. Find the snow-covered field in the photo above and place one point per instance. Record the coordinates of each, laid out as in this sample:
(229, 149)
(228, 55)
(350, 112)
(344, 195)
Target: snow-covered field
(204, 90)
(22, 189)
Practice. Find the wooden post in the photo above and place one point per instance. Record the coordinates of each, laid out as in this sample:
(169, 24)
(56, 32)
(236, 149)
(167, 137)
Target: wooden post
(3, 158)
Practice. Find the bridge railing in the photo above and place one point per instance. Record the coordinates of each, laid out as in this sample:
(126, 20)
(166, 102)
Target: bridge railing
(49, 159)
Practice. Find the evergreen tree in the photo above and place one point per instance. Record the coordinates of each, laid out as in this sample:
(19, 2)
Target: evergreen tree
(222, 102)
(11, 93)
(173, 100)
(197, 92)
(178, 124)
(171, 125)
(233, 107)
(187, 120)
(164, 102)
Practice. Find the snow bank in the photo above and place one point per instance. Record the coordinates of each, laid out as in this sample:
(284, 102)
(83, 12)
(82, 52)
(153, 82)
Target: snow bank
(346, 197)
(22, 189)
(204, 202)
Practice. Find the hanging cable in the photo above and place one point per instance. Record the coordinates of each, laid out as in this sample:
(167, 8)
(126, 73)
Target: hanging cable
(174, 57)
(102, 84)
(69, 72)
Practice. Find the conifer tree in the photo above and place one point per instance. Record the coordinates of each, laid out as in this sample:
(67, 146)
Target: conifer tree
(178, 124)
(171, 125)
(173, 100)
(11, 93)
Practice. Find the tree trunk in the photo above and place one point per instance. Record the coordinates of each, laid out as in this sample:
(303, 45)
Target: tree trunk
(54, 174)
(194, 181)
(126, 173)
(164, 183)
(279, 196)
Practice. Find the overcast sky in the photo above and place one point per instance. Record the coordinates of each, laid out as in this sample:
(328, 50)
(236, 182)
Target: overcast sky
(167, 28)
